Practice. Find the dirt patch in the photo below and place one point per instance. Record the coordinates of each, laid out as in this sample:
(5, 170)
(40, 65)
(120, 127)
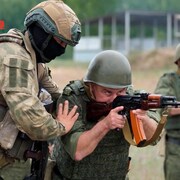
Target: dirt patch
(161, 58)
(62, 75)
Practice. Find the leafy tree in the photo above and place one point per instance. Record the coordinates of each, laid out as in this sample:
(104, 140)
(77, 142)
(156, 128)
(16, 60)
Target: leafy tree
(13, 11)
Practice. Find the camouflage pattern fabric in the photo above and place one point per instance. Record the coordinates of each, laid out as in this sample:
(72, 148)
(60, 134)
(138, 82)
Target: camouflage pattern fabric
(16, 171)
(169, 84)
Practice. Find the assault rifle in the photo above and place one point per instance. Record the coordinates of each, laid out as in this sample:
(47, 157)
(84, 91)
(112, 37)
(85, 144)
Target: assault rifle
(39, 156)
(144, 101)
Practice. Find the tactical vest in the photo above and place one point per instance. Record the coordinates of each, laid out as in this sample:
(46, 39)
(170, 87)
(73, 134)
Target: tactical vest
(173, 122)
(110, 158)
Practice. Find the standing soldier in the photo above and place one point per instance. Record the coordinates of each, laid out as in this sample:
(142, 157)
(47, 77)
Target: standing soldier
(50, 27)
(169, 84)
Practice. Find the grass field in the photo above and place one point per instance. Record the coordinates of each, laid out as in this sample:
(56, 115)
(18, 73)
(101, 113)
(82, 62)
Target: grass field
(146, 164)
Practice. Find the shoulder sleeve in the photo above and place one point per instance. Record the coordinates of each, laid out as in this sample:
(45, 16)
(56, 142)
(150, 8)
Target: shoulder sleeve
(165, 85)
(155, 114)
(70, 140)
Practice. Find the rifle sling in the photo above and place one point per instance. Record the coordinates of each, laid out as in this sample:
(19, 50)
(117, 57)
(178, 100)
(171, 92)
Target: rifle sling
(128, 136)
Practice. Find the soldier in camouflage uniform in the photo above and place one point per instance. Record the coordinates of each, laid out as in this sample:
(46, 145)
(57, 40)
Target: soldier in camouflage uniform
(169, 84)
(95, 148)
(50, 27)
(49, 93)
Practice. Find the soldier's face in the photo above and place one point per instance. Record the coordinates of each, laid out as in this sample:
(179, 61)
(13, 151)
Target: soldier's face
(107, 95)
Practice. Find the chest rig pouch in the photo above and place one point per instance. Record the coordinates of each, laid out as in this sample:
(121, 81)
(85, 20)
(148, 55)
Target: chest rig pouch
(77, 87)
(13, 143)
(8, 130)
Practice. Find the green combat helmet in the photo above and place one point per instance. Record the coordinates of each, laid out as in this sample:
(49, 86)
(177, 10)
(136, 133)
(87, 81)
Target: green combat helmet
(177, 54)
(110, 69)
(56, 18)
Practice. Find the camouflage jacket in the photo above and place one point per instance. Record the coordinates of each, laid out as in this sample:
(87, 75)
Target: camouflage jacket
(19, 88)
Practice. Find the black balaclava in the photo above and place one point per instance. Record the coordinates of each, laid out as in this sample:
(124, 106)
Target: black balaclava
(45, 46)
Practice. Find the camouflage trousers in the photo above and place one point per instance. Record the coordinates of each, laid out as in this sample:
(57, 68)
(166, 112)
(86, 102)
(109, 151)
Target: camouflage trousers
(15, 171)
(172, 160)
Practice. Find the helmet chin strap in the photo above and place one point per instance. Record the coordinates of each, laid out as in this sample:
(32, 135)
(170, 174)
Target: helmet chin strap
(89, 90)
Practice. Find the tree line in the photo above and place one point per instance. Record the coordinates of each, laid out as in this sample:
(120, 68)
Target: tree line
(13, 12)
